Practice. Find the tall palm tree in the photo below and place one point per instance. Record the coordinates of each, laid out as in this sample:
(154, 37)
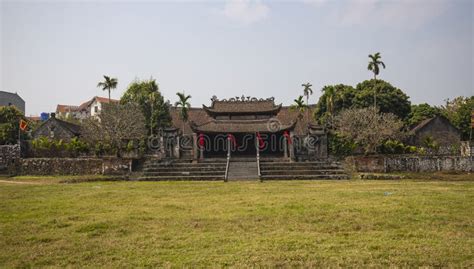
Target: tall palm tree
(184, 106)
(374, 67)
(307, 91)
(299, 106)
(330, 94)
(108, 84)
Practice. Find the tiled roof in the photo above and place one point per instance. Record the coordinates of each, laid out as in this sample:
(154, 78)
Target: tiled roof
(199, 117)
(241, 126)
(66, 108)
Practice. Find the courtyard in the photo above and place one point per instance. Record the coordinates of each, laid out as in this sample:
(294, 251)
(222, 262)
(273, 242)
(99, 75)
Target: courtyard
(412, 222)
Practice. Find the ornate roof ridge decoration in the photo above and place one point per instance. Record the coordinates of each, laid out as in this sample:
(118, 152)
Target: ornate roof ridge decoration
(243, 98)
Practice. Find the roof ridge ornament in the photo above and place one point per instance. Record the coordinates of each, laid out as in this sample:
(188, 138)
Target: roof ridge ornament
(242, 98)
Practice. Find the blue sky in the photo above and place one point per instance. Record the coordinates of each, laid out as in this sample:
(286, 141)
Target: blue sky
(56, 52)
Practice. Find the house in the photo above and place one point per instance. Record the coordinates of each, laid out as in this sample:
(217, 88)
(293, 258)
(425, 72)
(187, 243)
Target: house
(12, 99)
(57, 129)
(87, 109)
(437, 129)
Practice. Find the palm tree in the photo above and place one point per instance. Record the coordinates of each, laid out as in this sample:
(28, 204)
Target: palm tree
(307, 91)
(299, 106)
(330, 100)
(374, 67)
(184, 105)
(108, 84)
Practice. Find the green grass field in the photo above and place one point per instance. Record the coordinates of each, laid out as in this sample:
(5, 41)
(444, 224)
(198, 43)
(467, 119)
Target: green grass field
(241, 224)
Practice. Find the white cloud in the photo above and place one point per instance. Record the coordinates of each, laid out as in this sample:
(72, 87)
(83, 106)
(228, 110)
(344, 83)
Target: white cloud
(246, 11)
(401, 13)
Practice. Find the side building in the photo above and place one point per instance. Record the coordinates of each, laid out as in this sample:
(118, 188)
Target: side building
(12, 99)
(87, 109)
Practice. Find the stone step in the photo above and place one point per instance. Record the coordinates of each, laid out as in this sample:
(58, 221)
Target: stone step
(185, 173)
(304, 177)
(190, 169)
(303, 172)
(177, 178)
(309, 167)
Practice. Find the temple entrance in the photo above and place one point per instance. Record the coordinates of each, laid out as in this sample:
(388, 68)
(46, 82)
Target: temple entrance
(245, 145)
(215, 145)
(274, 145)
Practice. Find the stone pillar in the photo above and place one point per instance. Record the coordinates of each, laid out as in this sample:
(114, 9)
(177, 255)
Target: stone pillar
(177, 147)
(292, 147)
(195, 147)
(323, 146)
(285, 147)
(162, 146)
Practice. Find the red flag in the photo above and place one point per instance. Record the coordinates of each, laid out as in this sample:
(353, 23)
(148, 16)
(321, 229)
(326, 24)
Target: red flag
(232, 139)
(288, 137)
(23, 125)
(201, 140)
(260, 141)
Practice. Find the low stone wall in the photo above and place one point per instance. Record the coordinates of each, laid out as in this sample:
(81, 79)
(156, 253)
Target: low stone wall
(74, 166)
(404, 163)
(9, 155)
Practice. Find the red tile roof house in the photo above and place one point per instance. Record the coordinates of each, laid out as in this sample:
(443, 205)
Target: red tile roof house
(84, 110)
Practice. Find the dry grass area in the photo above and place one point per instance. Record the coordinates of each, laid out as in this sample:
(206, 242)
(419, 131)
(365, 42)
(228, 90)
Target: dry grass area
(354, 223)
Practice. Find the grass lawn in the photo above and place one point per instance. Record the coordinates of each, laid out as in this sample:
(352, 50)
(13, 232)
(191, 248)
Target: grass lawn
(241, 224)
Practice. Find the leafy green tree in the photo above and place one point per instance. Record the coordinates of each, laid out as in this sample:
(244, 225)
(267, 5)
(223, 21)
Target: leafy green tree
(299, 106)
(183, 106)
(108, 84)
(390, 99)
(10, 118)
(458, 111)
(307, 91)
(421, 112)
(334, 99)
(146, 94)
(373, 66)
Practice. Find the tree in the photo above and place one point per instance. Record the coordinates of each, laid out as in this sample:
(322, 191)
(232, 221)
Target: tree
(115, 125)
(368, 128)
(184, 106)
(147, 96)
(374, 67)
(458, 111)
(108, 84)
(299, 106)
(422, 112)
(307, 91)
(390, 98)
(334, 99)
(10, 118)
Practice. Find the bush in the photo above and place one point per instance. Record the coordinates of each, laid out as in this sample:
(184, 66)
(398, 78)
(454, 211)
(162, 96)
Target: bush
(340, 146)
(45, 147)
(396, 147)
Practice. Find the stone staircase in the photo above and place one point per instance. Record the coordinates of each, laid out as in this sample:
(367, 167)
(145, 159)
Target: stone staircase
(240, 168)
(153, 170)
(283, 170)
(243, 170)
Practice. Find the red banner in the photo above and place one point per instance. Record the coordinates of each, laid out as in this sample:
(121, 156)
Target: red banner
(201, 140)
(232, 139)
(261, 145)
(288, 137)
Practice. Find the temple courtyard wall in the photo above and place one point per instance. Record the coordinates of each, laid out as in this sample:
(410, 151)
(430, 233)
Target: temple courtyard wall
(410, 163)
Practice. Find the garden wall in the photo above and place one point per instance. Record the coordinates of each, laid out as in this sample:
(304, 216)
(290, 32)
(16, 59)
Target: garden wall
(74, 166)
(403, 163)
(9, 155)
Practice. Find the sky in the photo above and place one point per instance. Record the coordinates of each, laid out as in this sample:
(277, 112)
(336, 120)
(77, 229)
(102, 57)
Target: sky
(56, 52)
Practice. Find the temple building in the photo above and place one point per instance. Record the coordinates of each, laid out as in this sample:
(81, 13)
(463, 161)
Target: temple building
(245, 127)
